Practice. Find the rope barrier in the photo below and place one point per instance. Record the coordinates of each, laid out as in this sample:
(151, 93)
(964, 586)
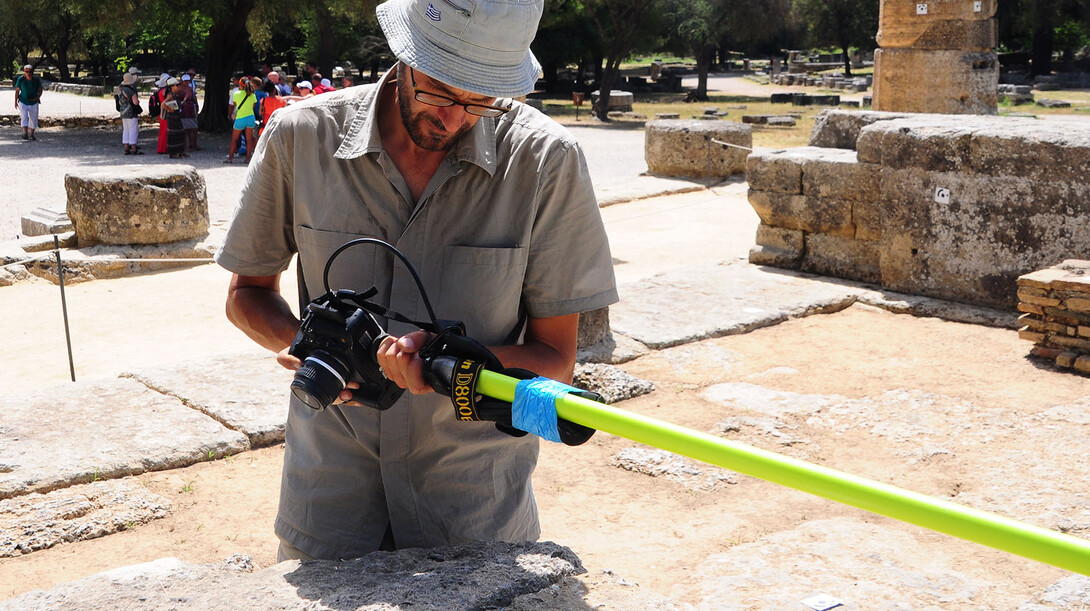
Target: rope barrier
(1034, 542)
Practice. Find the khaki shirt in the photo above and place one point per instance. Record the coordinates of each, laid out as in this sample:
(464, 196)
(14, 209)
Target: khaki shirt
(508, 225)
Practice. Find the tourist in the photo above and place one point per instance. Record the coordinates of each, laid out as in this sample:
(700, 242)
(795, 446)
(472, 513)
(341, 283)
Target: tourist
(493, 200)
(129, 107)
(189, 111)
(172, 116)
(242, 117)
(278, 86)
(28, 97)
(155, 108)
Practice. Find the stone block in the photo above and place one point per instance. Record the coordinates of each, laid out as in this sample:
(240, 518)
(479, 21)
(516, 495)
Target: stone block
(1048, 150)
(842, 257)
(137, 204)
(804, 213)
(973, 245)
(778, 171)
(593, 327)
(689, 148)
(756, 119)
(835, 128)
(43, 221)
(777, 247)
(835, 174)
(618, 100)
(903, 24)
(933, 144)
(940, 34)
(782, 121)
(936, 81)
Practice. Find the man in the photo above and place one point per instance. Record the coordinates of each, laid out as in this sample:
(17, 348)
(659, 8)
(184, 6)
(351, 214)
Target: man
(28, 94)
(492, 203)
(279, 86)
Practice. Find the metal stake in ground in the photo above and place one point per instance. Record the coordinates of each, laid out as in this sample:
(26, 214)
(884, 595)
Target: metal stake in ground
(64, 306)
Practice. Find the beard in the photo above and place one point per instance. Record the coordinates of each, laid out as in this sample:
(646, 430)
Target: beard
(425, 130)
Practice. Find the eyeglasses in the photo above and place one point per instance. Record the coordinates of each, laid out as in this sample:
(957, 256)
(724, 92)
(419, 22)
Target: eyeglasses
(442, 101)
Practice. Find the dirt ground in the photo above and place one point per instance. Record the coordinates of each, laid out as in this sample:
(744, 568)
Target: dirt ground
(653, 532)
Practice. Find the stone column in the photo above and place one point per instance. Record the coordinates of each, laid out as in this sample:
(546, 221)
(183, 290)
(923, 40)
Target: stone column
(937, 56)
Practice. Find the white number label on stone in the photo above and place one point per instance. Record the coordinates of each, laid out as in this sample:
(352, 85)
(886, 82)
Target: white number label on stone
(921, 9)
(942, 195)
(978, 6)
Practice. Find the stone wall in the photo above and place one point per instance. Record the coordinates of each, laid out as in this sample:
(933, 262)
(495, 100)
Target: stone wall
(953, 207)
(1056, 313)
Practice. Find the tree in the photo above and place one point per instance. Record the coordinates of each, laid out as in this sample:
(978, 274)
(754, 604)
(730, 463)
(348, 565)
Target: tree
(624, 26)
(840, 23)
(699, 28)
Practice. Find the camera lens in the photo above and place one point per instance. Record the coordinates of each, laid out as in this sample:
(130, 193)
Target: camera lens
(318, 382)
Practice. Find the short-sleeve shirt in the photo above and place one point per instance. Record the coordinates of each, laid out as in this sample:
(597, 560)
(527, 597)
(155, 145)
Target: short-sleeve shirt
(30, 90)
(244, 103)
(509, 225)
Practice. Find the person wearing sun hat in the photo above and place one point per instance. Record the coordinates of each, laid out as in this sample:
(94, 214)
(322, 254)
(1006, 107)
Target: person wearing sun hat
(493, 204)
(129, 102)
(28, 96)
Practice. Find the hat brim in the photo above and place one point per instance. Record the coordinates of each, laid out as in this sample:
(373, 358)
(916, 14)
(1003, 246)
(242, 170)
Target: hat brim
(475, 77)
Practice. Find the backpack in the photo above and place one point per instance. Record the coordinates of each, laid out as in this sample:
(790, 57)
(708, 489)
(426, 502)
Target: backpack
(155, 103)
(117, 101)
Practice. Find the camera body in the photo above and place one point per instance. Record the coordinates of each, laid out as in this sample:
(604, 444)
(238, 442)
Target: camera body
(337, 342)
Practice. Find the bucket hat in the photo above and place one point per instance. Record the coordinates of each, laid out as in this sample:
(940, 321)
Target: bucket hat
(481, 46)
(128, 78)
(162, 80)
(134, 70)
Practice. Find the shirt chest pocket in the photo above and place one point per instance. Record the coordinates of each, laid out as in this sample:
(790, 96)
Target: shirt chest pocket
(482, 287)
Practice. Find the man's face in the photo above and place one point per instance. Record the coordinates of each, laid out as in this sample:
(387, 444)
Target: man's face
(274, 77)
(434, 128)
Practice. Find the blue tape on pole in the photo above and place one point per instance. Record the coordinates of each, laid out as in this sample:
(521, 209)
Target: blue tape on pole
(534, 407)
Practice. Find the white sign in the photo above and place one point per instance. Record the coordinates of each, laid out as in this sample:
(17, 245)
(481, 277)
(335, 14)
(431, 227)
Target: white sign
(921, 9)
(942, 195)
(978, 6)
(822, 602)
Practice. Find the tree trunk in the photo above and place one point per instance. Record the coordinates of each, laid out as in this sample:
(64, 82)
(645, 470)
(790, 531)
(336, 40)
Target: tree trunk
(605, 88)
(325, 41)
(704, 59)
(847, 63)
(1042, 38)
(226, 40)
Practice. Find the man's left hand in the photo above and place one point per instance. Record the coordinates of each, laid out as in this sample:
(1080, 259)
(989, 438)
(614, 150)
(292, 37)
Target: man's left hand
(400, 362)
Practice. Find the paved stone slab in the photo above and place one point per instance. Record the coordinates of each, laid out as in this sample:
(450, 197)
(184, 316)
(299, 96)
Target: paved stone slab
(866, 566)
(104, 429)
(479, 575)
(246, 392)
(87, 511)
(701, 302)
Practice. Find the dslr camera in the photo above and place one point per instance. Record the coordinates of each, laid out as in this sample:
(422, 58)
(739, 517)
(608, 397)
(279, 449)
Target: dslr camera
(337, 342)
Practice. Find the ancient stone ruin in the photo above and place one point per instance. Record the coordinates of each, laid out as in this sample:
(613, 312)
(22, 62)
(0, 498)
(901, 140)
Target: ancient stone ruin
(1056, 313)
(936, 56)
(698, 149)
(952, 207)
(137, 204)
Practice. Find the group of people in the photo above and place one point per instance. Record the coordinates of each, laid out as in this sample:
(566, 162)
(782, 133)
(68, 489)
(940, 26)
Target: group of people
(174, 103)
(254, 100)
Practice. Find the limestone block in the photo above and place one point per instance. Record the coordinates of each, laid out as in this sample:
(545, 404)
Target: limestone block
(947, 82)
(777, 247)
(941, 34)
(902, 24)
(930, 142)
(842, 257)
(137, 204)
(1049, 150)
(835, 174)
(618, 100)
(593, 327)
(686, 148)
(972, 245)
(835, 128)
(804, 213)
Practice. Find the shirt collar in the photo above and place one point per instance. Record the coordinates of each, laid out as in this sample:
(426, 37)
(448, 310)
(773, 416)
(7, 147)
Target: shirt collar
(478, 146)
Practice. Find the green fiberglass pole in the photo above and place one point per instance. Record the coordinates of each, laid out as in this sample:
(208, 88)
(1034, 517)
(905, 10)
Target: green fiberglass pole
(1034, 542)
